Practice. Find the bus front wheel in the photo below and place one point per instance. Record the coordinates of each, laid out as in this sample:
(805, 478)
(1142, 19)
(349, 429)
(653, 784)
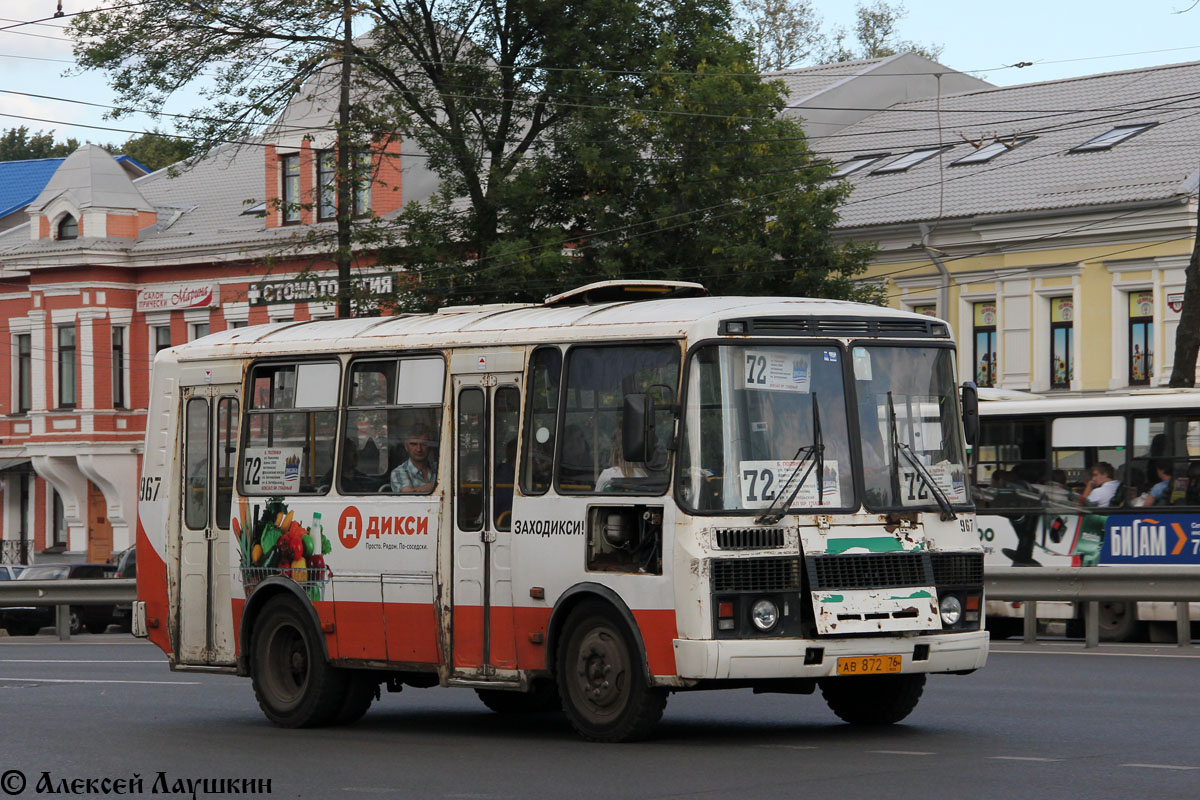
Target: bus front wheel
(873, 699)
(295, 686)
(602, 682)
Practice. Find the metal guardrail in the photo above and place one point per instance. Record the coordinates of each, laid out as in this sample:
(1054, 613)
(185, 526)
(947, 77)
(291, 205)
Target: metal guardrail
(66, 593)
(1090, 585)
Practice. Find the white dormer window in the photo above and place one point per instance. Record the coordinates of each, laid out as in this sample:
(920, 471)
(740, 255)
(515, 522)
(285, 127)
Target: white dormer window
(1112, 138)
(68, 228)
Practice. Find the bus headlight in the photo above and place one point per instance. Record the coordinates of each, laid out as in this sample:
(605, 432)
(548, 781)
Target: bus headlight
(951, 608)
(764, 614)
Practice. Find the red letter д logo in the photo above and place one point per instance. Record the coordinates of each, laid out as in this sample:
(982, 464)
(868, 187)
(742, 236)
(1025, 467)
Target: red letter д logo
(350, 527)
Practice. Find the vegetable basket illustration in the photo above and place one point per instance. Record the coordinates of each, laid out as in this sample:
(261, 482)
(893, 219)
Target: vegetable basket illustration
(272, 542)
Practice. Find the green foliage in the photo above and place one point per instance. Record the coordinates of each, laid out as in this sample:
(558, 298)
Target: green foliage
(155, 150)
(695, 176)
(788, 33)
(637, 129)
(17, 144)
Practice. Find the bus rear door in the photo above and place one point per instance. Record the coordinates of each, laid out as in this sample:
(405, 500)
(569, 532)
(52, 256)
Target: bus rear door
(487, 410)
(210, 426)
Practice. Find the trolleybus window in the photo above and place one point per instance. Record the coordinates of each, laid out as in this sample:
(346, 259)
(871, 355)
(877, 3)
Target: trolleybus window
(291, 426)
(598, 380)
(764, 424)
(393, 426)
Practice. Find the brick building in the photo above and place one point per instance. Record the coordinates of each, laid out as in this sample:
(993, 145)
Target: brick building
(106, 270)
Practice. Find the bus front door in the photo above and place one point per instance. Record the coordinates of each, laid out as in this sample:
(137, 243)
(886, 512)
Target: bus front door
(487, 411)
(205, 623)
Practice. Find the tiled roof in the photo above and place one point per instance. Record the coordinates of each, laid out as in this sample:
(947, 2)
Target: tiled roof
(22, 181)
(94, 179)
(1041, 175)
(807, 81)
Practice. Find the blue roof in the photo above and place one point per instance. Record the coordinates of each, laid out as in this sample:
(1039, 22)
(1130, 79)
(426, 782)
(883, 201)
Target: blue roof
(22, 181)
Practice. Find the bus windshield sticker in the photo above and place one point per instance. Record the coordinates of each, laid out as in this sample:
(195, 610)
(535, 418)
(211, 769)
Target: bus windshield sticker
(762, 484)
(273, 469)
(950, 479)
(862, 364)
(770, 371)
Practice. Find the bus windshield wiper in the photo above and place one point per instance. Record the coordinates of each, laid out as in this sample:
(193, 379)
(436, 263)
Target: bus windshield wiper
(812, 454)
(899, 448)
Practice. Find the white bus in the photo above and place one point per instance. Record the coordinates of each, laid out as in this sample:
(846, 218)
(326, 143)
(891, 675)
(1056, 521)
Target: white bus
(1035, 458)
(629, 490)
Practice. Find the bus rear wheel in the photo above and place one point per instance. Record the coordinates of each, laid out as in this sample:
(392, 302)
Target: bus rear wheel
(873, 699)
(601, 678)
(294, 684)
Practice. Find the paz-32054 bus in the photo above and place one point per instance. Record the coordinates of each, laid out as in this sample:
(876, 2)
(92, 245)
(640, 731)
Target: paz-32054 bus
(628, 490)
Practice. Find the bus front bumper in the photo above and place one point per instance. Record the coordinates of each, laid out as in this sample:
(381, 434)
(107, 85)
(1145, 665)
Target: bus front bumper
(818, 658)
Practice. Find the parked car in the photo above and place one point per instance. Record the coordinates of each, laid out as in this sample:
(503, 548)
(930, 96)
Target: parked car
(28, 620)
(10, 572)
(126, 568)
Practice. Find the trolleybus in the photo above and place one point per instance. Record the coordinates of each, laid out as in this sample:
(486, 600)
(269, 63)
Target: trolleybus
(1035, 458)
(629, 490)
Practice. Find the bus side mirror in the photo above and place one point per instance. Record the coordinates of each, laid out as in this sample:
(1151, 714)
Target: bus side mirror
(637, 428)
(970, 414)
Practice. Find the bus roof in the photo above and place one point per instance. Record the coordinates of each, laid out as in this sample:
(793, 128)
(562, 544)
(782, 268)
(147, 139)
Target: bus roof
(479, 326)
(1149, 400)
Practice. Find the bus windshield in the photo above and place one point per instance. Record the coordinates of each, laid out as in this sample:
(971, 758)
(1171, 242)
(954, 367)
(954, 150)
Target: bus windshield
(766, 424)
(909, 423)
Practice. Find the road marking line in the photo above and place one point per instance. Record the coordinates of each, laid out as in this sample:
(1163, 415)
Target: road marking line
(1022, 758)
(80, 680)
(1158, 766)
(83, 661)
(789, 746)
(902, 752)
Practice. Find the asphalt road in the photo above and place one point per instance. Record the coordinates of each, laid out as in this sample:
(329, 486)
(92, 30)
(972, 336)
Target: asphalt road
(1045, 721)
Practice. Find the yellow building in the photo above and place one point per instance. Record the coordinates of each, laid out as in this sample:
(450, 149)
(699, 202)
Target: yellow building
(1049, 223)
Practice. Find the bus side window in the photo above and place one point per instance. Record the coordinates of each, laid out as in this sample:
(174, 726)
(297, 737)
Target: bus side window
(541, 420)
(598, 380)
(393, 426)
(291, 427)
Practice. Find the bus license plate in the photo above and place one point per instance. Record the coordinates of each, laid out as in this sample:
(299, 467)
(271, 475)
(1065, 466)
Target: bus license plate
(868, 665)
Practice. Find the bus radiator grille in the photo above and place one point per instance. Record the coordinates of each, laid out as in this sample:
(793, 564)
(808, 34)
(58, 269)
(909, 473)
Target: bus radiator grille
(957, 569)
(756, 574)
(749, 538)
(873, 571)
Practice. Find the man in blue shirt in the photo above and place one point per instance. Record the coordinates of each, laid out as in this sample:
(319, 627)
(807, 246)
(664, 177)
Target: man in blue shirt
(417, 475)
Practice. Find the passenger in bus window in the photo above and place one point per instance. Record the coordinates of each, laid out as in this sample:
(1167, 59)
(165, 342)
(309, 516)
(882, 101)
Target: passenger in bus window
(354, 480)
(417, 475)
(1159, 492)
(1101, 487)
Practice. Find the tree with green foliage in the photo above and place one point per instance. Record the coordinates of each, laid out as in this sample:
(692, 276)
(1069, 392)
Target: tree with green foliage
(876, 35)
(636, 128)
(18, 144)
(781, 33)
(697, 177)
(155, 149)
(789, 33)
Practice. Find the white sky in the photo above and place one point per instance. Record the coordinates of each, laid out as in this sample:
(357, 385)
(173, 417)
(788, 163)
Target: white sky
(1063, 38)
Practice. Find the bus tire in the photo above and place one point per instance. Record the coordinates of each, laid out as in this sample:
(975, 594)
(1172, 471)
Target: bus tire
(294, 684)
(1118, 621)
(543, 698)
(361, 691)
(873, 699)
(602, 681)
